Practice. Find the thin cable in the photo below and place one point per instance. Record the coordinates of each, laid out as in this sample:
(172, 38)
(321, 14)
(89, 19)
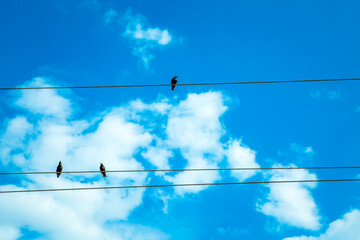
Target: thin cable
(177, 185)
(183, 170)
(181, 84)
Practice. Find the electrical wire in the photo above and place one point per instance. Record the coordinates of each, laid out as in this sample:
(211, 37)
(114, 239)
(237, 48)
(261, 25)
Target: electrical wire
(180, 84)
(177, 185)
(183, 170)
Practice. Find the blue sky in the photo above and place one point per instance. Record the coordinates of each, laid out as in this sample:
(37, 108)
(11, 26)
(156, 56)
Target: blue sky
(91, 42)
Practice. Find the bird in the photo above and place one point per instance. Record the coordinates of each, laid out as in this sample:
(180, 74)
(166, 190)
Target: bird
(102, 170)
(173, 83)
(59, 169)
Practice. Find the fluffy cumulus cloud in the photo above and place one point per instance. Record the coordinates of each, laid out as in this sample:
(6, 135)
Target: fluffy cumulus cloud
(46, 103)
(194, 128)
(241, 156)
(123, 137)
(144, 38)
(13, 139)
(9, 233)
(43, 213)
(346, 228)
(38, 146)
(291, 203)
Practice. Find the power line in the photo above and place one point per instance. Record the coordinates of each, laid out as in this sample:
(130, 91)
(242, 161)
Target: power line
(177, 185)
(180, 84)
(183, 170)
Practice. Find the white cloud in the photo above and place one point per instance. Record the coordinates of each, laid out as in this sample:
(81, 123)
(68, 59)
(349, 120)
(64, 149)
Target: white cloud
(302, 150)
(46, 102)
(139, 232)
(114, 143)
(161, 106)
(158, 156)
(161, 37)
(62, 221)
(135, 29)
(112, 139)
(117, 138)
(240, 156)
(309, 150)
(194, 127)
(13, 138)
(291, 203)
(346, 228)
(9, 233)
(144, 38)
(51, 216)
(165, 198)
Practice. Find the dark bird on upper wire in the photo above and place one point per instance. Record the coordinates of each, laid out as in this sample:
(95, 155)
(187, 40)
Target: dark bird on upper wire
(102, 170)
(59, 169)
(173, 82)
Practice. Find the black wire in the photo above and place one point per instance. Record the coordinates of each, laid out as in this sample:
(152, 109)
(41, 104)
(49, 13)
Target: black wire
(182, 84)
(177, 185)
(183, 170)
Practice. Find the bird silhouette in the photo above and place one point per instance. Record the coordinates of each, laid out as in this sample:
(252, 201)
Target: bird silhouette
(173, 83)
(59, 169)
(102, 170)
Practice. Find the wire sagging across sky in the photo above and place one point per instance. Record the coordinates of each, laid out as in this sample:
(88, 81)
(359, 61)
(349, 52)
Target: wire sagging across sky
(177, 185)
(185, 170)
(181, 84)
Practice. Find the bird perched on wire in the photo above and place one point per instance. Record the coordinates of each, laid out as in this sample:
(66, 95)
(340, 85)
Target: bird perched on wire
(59, 169)
(173, 83)
(102, 170)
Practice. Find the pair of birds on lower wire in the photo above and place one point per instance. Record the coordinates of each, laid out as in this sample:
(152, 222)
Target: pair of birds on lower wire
(60, 168)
